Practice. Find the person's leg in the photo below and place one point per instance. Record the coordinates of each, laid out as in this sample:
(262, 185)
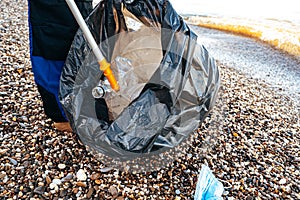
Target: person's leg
(47, 80)
(52, 28)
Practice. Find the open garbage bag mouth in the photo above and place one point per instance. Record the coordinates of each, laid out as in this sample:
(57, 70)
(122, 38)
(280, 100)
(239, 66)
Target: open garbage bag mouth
(168, 82)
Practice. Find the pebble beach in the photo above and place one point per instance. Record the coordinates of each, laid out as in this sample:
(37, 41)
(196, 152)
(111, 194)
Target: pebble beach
(255, 156)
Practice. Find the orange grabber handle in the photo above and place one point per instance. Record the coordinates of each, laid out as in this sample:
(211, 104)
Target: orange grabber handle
(108, 73)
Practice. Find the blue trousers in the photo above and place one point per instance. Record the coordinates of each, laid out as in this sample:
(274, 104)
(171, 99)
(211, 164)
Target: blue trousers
(51, 31)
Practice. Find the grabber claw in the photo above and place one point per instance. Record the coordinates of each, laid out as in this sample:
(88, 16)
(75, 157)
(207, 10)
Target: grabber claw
(108, 73)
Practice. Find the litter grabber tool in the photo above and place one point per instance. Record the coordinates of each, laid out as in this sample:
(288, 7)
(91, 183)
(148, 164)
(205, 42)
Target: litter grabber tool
(104, 65)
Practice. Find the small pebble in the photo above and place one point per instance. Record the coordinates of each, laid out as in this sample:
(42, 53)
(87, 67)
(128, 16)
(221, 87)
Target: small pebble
(39, 190)
(78, 194)
(81, 176)
(68, 177)
(61, 166)
(113, 191)
(90, 193)
(95, 176)
(52, 185)
(81, 184)
(2, 175)
(3, 151)
(48, 180)
(106, 169)
(282, 181)
(56, 181)
(13, 161)
(63, 193)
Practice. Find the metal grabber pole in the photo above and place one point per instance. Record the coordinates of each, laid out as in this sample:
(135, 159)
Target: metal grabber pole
(104, 65)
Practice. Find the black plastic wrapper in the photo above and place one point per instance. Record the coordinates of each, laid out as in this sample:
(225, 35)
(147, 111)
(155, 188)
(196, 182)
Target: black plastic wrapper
(151, 114)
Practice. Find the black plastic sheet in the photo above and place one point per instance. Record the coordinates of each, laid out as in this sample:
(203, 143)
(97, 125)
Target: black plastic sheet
(166, 108)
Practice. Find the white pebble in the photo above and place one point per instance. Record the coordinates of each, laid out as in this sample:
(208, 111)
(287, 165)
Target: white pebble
(78, 194)
(61, 166)
(282, 181)
(81, 176)
(52, 185)
(106, 169)
(56, 181)
(47, 172)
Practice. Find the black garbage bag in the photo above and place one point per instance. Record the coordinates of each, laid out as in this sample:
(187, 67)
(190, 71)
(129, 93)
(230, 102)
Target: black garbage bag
(168, 81)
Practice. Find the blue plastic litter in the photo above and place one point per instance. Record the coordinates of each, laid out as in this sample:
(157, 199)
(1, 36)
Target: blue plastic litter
(208, 186)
